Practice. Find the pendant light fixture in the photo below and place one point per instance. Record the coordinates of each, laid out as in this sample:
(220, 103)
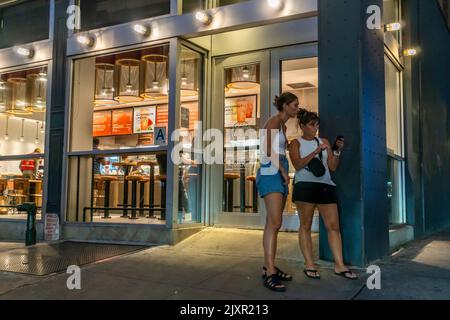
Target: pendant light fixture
(22, 138)
(128, 80)
(36, 140)
(190, 73)
(6, 137)
(42, 127)
(243, 78)
(104, 83)
(36, 92)
(155, 73)
(18, 102)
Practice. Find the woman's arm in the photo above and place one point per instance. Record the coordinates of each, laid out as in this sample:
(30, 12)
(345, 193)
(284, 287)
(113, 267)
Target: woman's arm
(297, 161)
(333, 161)
(274, 124)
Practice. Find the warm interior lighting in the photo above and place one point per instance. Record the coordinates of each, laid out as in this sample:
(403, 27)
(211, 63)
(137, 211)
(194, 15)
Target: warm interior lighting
(395, 26)
(203, 17)
(85, 40)
(141, 29)
(25, 52)
(409, 52)
(275, 4)
(21, 132)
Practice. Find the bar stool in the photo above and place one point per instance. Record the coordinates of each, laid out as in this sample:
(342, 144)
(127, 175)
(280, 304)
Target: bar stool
(134, 180)
(252, 179)
(151, 198)
(163, 179)
(142, 183)
(106, 180)
(228, 190)
(126, 168)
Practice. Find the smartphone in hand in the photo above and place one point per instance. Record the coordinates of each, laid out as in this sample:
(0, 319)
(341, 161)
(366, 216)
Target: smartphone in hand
(335, 147)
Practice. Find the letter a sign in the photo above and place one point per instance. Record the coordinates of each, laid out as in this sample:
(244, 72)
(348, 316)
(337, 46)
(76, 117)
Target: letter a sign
(160, 136)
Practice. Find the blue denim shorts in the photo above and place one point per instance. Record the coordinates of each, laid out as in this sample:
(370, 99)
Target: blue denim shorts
(272, 183)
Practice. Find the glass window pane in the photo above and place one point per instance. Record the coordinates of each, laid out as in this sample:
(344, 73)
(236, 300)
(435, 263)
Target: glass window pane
(190, 169)
(301, 77)
(21, 181)
(24, 22)
(121, 100)
(395, 191)
(128, 188)
(101, 13)
(193, 5)
(391, 13)
(393, 108)
(227, 2)
(241, 140)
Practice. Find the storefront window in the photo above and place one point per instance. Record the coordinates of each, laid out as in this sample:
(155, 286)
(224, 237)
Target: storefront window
(24, 22)
(301, 77)
(394, 143)
(119, 116)
(102, 13)
(190, 169)
(241, 138)
(22, 121)
(193, 5)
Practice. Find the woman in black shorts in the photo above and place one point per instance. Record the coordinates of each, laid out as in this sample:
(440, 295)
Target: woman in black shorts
(311, 191)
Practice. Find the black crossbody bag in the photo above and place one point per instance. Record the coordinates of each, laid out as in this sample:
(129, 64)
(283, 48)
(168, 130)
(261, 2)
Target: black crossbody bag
(315, 166)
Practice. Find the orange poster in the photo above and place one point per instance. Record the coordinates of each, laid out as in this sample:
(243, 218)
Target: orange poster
(122, 121)
(162, 116)
(101, 123)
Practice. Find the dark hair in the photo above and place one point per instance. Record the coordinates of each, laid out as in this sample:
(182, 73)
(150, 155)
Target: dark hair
(285, 97)
(304, 117)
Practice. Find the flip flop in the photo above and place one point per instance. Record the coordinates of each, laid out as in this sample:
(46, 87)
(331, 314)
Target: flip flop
(316, 276)
(346, 274)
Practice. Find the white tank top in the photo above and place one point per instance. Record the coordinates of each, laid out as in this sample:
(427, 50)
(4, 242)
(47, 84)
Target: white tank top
(304, 175)
(281, 145)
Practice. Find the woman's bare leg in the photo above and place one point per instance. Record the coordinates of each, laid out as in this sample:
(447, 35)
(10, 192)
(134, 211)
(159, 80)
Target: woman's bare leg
(306, 214)
(274, 207)
(330, 217)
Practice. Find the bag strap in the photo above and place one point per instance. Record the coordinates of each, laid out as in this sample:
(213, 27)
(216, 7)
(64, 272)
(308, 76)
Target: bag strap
(318, 145)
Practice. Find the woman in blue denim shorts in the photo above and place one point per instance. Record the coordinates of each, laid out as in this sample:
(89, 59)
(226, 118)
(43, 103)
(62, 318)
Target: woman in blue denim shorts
(272, 182)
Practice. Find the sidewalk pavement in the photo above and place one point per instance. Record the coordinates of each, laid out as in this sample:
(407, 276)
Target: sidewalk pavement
(225, 264)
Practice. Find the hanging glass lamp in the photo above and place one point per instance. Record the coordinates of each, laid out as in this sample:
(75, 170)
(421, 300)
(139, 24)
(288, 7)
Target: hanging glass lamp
(18, 103)
(36, 92)
(189, 75)
(5, 92)
(155, 76)
(104, 83)
(243, 78)
(128, 73)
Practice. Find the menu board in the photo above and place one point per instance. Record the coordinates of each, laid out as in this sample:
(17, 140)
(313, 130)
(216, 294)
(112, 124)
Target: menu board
(240, 111)
(101, 123)
(122, 121)
(144, 119)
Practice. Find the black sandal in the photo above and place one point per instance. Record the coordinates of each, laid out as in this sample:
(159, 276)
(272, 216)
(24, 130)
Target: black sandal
(346, 274)
(273, 283)
(280, 274)
(316, 273)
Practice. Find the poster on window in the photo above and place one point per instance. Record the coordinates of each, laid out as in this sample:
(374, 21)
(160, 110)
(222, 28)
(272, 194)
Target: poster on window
(144, 119)
(122, 121)
(240, 111)
(101, 123)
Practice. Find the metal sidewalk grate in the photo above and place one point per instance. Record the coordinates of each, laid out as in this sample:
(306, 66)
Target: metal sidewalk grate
(46, 259)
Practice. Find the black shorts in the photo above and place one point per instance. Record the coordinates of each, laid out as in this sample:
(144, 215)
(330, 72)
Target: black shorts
(314, 192)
